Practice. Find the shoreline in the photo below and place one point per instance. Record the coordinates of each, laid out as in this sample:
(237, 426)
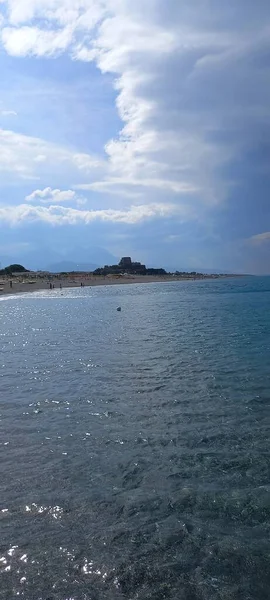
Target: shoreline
(21, 285)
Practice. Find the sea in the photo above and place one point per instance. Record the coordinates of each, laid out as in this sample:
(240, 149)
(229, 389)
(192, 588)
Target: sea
(135, 445)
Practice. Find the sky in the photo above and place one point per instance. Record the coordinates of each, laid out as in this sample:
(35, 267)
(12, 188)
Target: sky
(137, 128)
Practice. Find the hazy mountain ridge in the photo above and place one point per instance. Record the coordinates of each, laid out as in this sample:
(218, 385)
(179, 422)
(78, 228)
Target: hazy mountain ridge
(79, 258)
(68, 266)
(46, 259)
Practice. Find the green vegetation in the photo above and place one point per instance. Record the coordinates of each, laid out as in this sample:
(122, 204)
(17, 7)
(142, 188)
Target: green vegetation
(13, 269)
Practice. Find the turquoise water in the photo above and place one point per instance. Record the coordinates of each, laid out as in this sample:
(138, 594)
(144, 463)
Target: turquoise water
(135, 445)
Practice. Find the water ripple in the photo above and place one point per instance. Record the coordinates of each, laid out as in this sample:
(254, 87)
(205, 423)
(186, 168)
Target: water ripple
(134, 451)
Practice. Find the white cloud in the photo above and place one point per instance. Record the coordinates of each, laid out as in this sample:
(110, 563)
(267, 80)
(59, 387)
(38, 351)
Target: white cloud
(34, 41)
(8, 113)
(184, 80)
(131, 42)
(60, 12)
(30, 158)
(260, 238)
(114, 185)
(40, 158)
(50, 196)
(60, 215)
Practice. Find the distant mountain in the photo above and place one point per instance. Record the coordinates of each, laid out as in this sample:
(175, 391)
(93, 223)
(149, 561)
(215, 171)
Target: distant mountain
(67, 266)
(32, 260)
(78, 258)
(46, 258)
(90, 254)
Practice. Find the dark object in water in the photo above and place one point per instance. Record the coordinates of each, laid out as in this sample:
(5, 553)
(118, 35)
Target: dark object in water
(119, 309)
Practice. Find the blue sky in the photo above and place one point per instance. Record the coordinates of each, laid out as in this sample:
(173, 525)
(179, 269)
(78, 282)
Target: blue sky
(140, 128)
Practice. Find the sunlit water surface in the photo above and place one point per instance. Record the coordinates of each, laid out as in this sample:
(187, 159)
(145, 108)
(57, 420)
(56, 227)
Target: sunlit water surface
(135, 444)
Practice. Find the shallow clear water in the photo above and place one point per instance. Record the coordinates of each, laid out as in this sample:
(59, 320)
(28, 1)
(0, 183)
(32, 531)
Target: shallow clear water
(135, 445)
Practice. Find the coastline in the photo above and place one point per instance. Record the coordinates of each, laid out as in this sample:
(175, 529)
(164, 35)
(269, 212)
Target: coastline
(22, 285)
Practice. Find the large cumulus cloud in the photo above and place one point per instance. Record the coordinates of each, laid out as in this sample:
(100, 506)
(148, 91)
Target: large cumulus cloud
(192, 85)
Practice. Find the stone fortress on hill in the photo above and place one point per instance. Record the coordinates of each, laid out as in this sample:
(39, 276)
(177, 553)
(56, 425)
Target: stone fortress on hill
(127, 266)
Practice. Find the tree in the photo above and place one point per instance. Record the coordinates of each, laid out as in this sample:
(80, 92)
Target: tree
(14, 269)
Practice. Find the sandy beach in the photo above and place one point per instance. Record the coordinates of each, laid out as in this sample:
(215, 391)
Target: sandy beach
(24, 284)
